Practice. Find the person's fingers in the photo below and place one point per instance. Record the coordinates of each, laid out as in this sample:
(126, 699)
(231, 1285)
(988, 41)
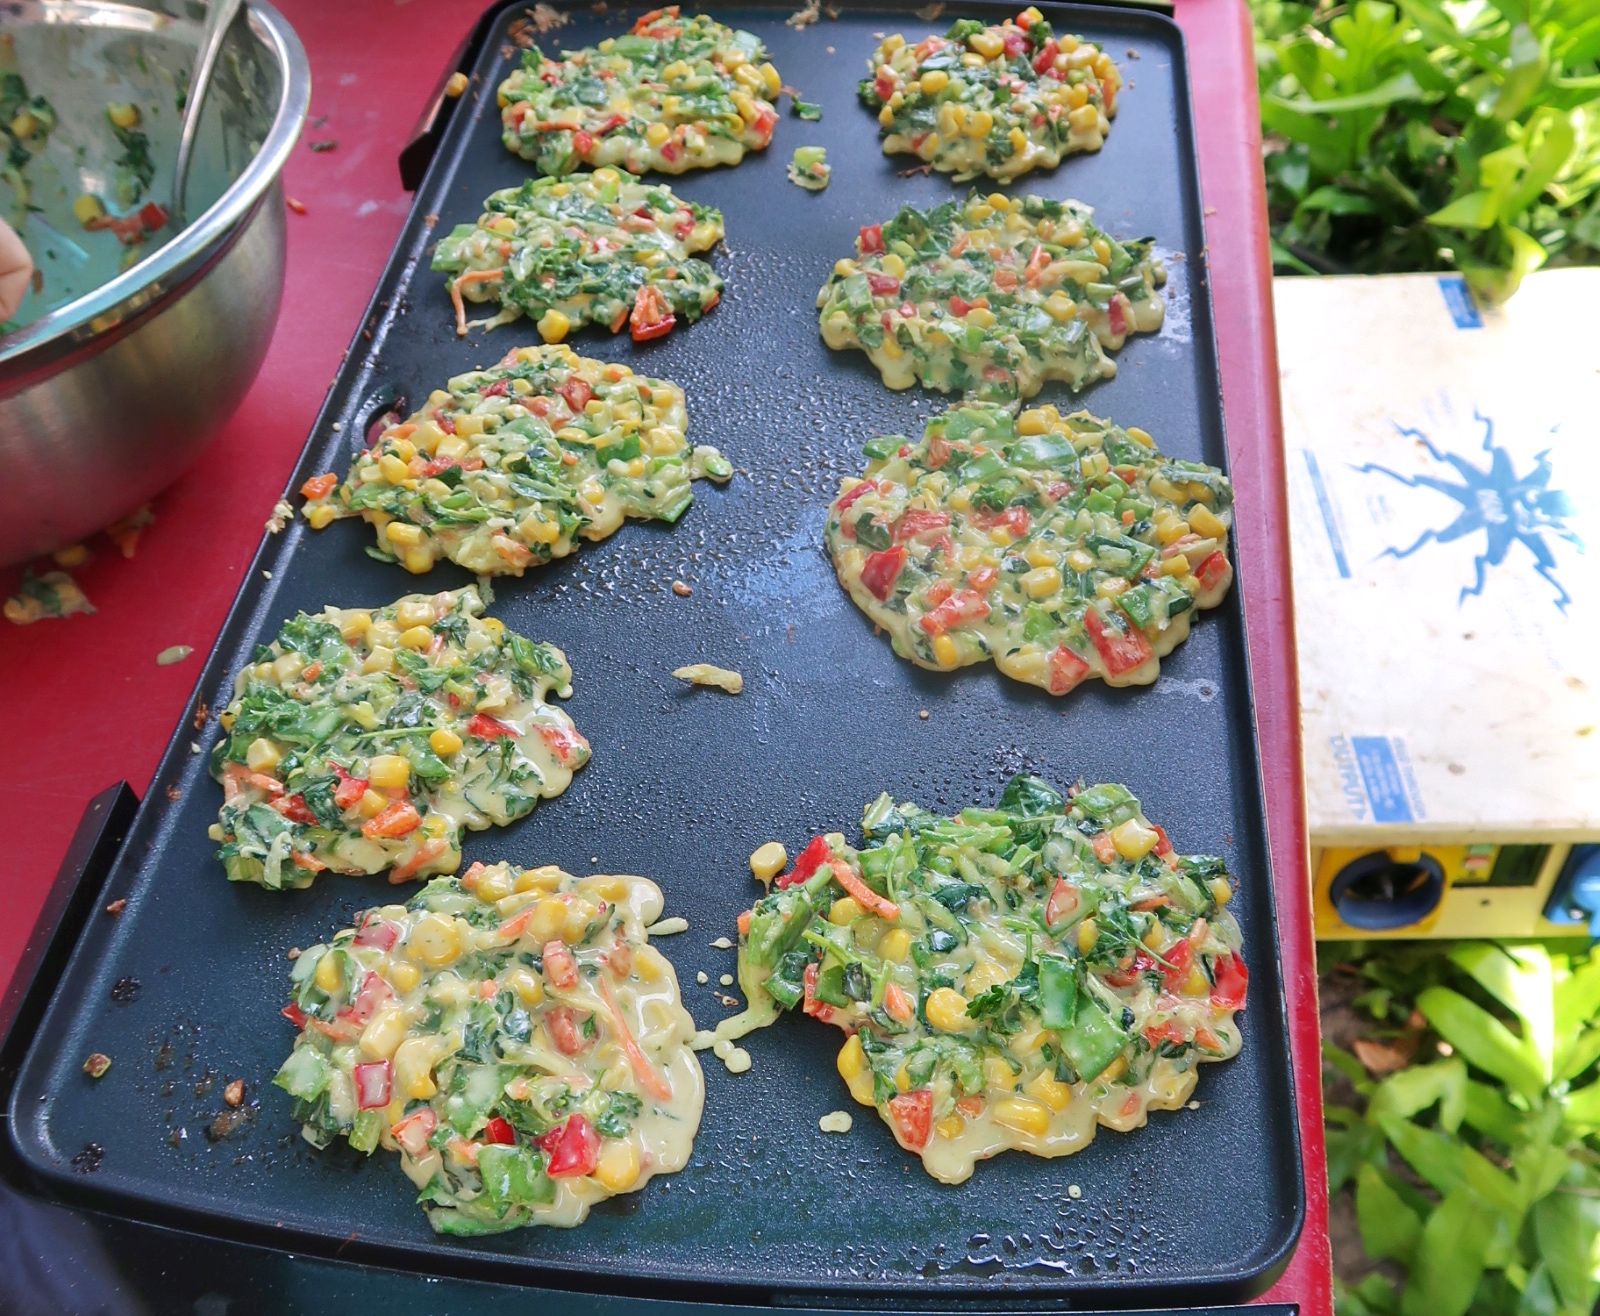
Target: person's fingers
(16, 269)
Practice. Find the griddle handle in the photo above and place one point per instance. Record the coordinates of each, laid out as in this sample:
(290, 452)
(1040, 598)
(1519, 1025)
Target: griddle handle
(418, 151)
(73, 896)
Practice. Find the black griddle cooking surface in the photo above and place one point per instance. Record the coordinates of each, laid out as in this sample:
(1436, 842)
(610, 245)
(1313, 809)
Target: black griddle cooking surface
(1203, 1204)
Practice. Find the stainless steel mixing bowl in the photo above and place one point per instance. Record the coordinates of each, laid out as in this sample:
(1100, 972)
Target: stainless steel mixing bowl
(106, 399)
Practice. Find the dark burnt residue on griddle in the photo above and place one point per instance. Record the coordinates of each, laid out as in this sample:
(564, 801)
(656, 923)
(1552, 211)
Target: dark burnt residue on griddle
(125, 991)
(88, 1160)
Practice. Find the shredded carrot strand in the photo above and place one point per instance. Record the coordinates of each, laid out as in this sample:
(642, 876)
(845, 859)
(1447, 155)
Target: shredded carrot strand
(864, 895)
(643, 1070)
(461, 281)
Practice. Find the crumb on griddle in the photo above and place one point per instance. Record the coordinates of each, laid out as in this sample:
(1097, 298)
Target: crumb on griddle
(116, 907)
(681, 589)
(174, 792)
(233, 1094)
(97, 1064)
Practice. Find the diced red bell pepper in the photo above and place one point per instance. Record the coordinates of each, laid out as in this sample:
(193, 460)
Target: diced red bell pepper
(1121, 651)
(870, 243)
(1046, 56)
(651, 317)
(294, 1014)
(897, 1004)
(885, 83)
(319, 486)
(399, 819)
(1066, 670)
(1163, 843)
(916, 521)
(375, 990)
(1116, 315)
(811, 858)
(350, 789)
(765, 121)
(1231, 980)
(565, 1030)
(1063, 903)
(485, 727)
(1142, 963)
(1016, 42)
(559, 966)
(882, 284)
(565, 742)
(1213, 571)
(846, 500)
(983, 579)
(959, 305)
(413, 1132)
(912, 1113)
(1206, 1040)
(1104, 849)
(499, 1131)
(577, 394)
(1018, 520)
(573, 1149)
(881, 570)
(1168, 1030)
(1179, 960)
(670, 150)
(294, 808)
(938, 592)
(499, 389)
(963, 606)
(374, 1084)
(379, 932)
(582, 142)
(819, 1010)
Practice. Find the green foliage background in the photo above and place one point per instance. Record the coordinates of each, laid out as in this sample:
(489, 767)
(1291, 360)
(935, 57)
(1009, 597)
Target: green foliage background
(1431, 135)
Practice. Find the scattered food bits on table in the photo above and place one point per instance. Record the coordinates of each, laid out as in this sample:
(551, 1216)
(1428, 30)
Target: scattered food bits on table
(726, 980)
(282, 514)
(701, 978)
(458, 83)
(719, 678)
(682, 590)
(668, 927)
(174, 654)
(116, 907)
(722, 943)
(97, 1064)
(1074, 1192)
(54, 594)
(233, 1094)
(836, 1121)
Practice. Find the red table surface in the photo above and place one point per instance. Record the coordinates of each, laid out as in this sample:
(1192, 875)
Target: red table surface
(83, 703)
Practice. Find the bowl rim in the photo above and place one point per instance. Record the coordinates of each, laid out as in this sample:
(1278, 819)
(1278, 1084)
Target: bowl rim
(168, 269)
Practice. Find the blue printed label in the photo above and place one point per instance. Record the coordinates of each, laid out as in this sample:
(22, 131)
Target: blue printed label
(1330, 523)
(1458, 301)
(1380, 774)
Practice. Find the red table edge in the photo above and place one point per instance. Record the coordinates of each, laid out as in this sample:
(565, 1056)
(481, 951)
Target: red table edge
(1228, 125)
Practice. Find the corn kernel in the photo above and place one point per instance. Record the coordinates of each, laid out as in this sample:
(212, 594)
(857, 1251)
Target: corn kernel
(944, 651)
(86, 209)
(1023, 1115)
(771, 80)
(1037, 555)
(768, 861)
(444, 742)
(852, 1060)
(413, 1063)
(902, 1079)
(1088, 934)
(619, 1164)
(403, 976)
(1041, 582)
(934, 81)
(981, 316)
(124, 116)
(381, 659)
(950, 1126)
(321, 516)
(844, 268)
(383, 1034)
(1102, 251)
(1171, 530)
(986, 43)
(580, 913)
(1221, 890)
(372, 803)
(435, 940)
(1045, 1089)
(418, 637)
(1060, 307)
(544, 924)
(525, 983)
(328, 976)
(403, 533)
(980, 125)
(947, 1010)
(608, 888)
(537, 879)
(1018, 140)
(417, 560)
(1206, 523)
(388, 771)
(413, 611)
(657, 134)
(844, 911)
(998, 1075)
(1033, 421)
(553, 326)
(393, 469)
(983, 976)
(1115, 1070)
(1176, 565)
(262, 756)
(895, 946)
(1132, 839)
(886, 117)
(539, 532)
(353, 625)
(1081, 560)
(1139, 436)
(961, 500)
(1196, 984)
(650, 964)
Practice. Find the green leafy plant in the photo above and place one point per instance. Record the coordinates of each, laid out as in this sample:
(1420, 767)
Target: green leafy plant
(1431, 135)
(1476, 1173)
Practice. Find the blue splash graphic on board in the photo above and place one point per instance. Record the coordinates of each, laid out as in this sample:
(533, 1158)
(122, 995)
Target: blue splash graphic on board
(1507, 508)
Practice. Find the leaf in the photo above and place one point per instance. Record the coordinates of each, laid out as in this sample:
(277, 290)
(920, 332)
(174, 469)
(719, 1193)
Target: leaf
(1435, 1157)
(1524, 72)
(1414, 1090)
(1576, 998)
(1547, 145)
(1583, 1106)
(1476, 210)
(1379, 1058)
(1389, 1228)
(1449, 1258)
(1490, 1113)
(1336, 201)
(1481, 1038)
(1401, 87)
(1345, 1063)
(1539, 1168)
(1564, 1229)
